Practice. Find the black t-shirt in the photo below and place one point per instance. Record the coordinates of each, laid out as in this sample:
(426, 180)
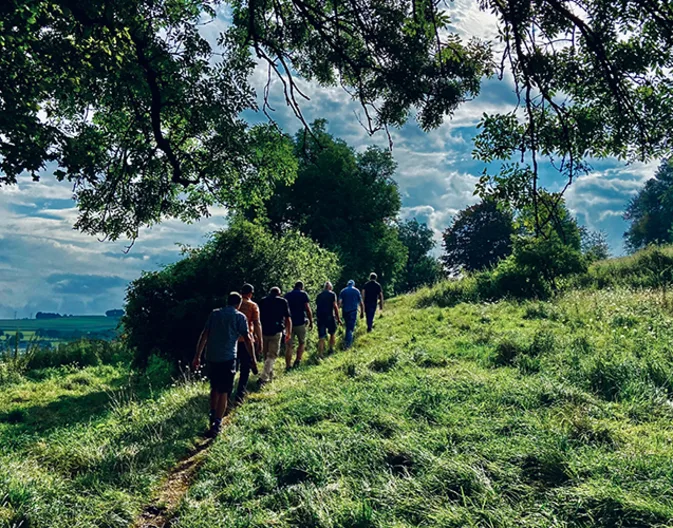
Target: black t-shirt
(372, 291)
(297, 300)
(272, 314)
(325, 304)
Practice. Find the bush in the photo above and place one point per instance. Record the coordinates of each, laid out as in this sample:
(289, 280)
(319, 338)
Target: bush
(84, 353)
(167, 309)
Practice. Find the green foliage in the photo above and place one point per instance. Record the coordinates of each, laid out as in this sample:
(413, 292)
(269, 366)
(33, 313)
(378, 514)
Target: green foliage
(649, 268)
(166, 310)
(129, 102)
(594, 245)
(346, 202)
(650, 212)
(421, 268)
(478, 237)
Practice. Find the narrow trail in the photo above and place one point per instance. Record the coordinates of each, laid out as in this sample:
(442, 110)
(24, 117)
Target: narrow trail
(160, 512)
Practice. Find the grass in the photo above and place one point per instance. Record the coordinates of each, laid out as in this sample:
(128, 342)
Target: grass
(526, 414)
(83, 447)
(504, 414)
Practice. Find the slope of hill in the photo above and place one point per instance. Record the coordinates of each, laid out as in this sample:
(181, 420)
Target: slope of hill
(493, 414)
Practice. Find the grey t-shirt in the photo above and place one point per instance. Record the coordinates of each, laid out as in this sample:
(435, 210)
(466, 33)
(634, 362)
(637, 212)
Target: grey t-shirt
(225, 326)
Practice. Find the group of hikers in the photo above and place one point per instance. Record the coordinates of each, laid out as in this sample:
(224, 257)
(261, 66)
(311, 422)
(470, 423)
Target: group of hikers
(239, 335)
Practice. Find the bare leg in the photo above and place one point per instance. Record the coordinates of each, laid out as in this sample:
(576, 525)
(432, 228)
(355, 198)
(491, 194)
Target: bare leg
(300, 351)
(321, 347)
(221, 405)
(288, 354)
(332, 342)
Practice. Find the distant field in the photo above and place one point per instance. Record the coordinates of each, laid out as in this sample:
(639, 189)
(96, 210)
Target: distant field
(94, 323)
(50, 332)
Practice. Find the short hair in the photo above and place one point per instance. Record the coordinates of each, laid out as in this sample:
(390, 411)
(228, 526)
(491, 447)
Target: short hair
(234, 299)
(247, 288)
(328, 285)
(299, 285)
(275, 291)
(373, 276)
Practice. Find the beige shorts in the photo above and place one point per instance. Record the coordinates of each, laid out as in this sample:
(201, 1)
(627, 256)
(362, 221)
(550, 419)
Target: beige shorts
(271, 346)
(300, 333)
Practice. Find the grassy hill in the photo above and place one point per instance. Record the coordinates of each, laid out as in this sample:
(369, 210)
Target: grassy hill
(535, 414)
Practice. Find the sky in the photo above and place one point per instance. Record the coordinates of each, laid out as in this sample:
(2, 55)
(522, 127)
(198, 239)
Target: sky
(47, 266)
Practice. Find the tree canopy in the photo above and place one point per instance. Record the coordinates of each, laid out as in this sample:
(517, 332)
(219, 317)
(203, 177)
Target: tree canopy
(650, 212)
(346, 201)
(421, 268)
(478, 237)
(130, 103)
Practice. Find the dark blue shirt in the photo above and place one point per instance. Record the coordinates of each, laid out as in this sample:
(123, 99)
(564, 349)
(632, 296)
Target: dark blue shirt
(350, 298)
(325, 305)
(297, 299)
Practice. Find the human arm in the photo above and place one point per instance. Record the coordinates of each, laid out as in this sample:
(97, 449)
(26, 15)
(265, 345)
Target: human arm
(288, 328)
(200, 345)
(362, 308)
(307, 307)
(251, 352)
(381, 299)
(335, 308)
(257, 328)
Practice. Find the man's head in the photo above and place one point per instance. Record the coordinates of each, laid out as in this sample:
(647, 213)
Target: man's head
(351, 283)
(328, 286)
(247, 290)
(299, 285)
(275, 291)
(373, 276)
(234, 300)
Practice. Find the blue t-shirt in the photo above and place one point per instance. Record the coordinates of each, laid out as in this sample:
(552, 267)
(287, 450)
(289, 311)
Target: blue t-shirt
(225, 326)
(297, 299)
(350, 298)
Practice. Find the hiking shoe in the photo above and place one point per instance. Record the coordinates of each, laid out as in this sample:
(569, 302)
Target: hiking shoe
(296, 364)
(215, 429)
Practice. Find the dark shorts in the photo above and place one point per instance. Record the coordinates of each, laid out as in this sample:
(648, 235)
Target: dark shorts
(221, 374)
(326, 326)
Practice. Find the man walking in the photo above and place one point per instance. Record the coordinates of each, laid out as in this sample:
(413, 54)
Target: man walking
(328, 317)
(251, 312)
(219, 337)
(275, 317)
(372, 294)
(300, 308)
(350, 300)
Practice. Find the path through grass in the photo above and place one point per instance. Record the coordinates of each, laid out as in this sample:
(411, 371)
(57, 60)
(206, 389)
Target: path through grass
(536, 414)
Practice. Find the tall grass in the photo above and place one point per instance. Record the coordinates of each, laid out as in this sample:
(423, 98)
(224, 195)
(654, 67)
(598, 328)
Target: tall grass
(649, 268)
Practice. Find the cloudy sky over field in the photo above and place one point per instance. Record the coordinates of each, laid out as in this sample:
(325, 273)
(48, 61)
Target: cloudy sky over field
(47, 266)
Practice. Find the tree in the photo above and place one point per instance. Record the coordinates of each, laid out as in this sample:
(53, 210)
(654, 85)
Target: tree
(593, 79)
(422, 268)
(478, 237)
(166, 309)
(594, 245)
(130, 103)
(651, 211)
(345, 201)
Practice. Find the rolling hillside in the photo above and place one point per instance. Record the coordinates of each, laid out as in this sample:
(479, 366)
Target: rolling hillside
(535, 414)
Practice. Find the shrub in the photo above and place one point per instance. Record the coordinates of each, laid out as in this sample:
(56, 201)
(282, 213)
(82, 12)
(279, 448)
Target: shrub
(166, 310)
(84, 353)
